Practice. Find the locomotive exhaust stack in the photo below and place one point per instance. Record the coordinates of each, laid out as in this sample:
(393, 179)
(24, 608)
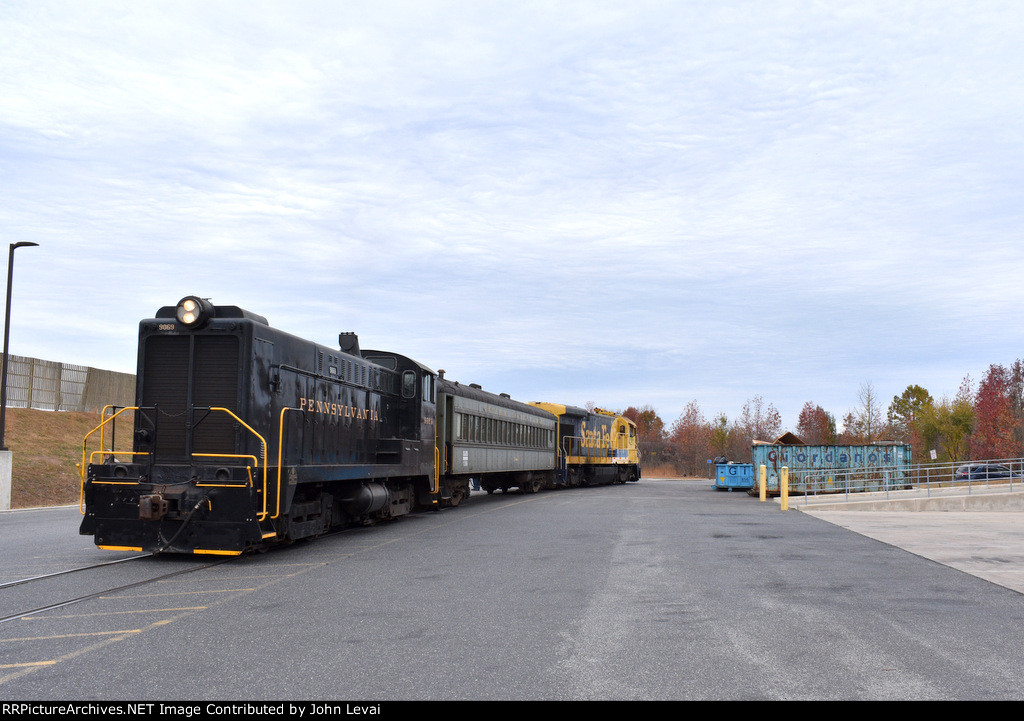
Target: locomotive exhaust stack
(349, 343)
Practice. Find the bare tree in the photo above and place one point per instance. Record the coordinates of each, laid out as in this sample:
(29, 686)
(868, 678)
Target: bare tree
(760, 421)
(868, 417)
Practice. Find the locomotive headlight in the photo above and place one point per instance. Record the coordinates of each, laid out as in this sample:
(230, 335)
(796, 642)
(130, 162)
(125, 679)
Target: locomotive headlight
(193, 311)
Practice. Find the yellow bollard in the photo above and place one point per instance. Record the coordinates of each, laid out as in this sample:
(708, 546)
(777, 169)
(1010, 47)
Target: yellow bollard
(764, 483)
(784, 488)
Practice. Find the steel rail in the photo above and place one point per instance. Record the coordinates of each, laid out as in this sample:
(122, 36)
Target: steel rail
(8, 584)
(61, 604)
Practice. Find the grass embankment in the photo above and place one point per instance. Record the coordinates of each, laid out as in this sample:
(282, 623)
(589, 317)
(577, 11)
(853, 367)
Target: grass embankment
(45, 447)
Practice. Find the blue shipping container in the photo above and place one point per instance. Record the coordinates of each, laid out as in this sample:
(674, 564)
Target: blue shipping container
(824, 469)
(734, 475)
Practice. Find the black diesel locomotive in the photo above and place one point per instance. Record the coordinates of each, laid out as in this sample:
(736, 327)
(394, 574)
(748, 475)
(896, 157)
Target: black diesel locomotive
(245, 436)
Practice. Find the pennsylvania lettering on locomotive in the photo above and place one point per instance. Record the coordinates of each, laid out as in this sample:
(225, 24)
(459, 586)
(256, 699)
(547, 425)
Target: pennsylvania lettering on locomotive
(341, 411)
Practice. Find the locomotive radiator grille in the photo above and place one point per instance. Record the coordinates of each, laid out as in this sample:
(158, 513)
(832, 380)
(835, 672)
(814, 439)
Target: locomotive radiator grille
(191, 371)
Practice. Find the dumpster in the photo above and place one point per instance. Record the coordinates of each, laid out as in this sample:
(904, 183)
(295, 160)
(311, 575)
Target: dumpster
(734, 475)
(835, 468)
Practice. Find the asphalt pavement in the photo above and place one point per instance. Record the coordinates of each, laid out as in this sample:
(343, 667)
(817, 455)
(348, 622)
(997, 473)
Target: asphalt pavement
(661, 590)
(980, 532)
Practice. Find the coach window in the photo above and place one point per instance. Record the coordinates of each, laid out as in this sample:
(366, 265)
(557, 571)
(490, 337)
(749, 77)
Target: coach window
(409, 384)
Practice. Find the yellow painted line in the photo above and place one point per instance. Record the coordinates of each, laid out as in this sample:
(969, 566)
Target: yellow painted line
(15, 671)
(114, 613)
(72, 635)
(181, 593)
(27, 664)
(213, 552)
(25, 670)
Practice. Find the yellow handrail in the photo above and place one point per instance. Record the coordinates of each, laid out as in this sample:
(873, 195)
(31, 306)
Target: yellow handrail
(280, 455)
(263, 454)
(437, 462)
(120, 453)
(255, 461)
(82, 468)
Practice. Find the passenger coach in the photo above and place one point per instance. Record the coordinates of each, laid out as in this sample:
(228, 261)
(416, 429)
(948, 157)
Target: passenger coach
(498, 441)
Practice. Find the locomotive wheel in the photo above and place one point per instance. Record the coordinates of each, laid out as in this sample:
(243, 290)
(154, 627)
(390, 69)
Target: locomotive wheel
(531, 486)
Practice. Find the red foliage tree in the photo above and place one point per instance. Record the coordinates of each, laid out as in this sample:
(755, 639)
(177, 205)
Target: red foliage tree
(993, 435)
(816, 426)
(691, 440)
(650, 434)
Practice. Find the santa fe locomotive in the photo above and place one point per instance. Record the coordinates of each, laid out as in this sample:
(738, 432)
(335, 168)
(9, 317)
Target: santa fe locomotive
(243, 436)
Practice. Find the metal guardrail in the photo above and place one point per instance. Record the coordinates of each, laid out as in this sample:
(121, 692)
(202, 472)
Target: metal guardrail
(926, 476)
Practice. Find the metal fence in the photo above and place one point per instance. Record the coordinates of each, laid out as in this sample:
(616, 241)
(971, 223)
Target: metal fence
(964, 476)
(52, 386)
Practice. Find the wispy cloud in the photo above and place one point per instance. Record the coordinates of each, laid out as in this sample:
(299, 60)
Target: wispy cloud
(628, 203)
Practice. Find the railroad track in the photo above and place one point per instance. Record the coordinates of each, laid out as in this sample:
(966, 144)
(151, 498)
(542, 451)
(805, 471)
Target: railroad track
(86, 597)
(40, 577)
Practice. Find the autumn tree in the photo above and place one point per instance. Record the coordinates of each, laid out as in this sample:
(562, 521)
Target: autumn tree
(816, 426)
(650, 434)
(690, 438)
(851, 433)
(946, 426)
(993, 435)
(905, 410)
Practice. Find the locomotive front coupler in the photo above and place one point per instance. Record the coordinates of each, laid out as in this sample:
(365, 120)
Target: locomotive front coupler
(163, 502)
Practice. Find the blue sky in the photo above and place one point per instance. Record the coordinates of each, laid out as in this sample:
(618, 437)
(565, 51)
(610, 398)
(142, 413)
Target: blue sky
(624, 203)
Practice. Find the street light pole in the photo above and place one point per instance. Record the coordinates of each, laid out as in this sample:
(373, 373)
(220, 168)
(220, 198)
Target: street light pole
(7, 337)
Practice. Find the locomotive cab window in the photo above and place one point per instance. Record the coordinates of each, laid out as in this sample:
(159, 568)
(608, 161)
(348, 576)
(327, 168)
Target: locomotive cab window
(409, 384)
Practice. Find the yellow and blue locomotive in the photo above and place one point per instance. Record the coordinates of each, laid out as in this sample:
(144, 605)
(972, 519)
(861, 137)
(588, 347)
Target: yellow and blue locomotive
(594, 447)
(244, 436)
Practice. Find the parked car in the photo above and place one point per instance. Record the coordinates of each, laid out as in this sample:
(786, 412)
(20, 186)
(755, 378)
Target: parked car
(984, 472)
